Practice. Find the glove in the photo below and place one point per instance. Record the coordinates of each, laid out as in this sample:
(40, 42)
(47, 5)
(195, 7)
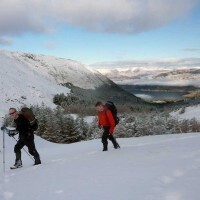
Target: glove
(12, 133)
(99, 126)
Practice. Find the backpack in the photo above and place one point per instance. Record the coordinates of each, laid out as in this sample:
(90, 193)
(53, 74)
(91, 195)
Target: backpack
(111, 106)
(28, 114)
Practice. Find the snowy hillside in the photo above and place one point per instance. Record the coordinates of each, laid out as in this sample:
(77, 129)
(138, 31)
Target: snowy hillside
(190, 113)
(33, 79)
(19, 84)
(147, 168)
(58, 70)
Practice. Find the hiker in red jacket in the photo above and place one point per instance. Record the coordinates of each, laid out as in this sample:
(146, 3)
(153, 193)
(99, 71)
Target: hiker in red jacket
(106, 120)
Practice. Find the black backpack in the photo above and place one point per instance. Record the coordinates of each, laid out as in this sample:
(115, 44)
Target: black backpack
(28, 114)
(111, 106)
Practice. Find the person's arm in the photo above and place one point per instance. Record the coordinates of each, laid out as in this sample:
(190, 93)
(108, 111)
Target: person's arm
(111, 121)
(99, 125)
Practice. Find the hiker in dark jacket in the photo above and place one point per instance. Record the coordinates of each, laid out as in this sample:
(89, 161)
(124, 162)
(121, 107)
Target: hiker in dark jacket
(26, 137)
(106, 120)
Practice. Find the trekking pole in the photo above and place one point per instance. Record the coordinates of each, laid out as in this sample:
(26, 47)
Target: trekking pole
(24, 149)
(4, 155)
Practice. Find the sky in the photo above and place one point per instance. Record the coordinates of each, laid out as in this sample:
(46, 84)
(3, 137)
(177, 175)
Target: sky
(102, 31)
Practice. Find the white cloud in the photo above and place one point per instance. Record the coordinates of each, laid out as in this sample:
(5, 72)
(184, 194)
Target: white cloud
(124, 16)
(49, 45)
(19, 16)
(119, 16)
(192, 49)
(4, 41)
(158, 63)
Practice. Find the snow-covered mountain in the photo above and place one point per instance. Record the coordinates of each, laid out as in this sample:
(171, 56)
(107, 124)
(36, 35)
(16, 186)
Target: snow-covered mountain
(152, 74)
(32, 79)
(58, 70)
(163, 167)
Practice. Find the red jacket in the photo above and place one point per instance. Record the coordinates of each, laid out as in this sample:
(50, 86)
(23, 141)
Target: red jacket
(105, 118)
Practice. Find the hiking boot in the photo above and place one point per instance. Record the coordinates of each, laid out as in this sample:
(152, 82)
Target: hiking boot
(17, 164)
(105, 148)
(116, 146)
(37, 161)
(113, 140)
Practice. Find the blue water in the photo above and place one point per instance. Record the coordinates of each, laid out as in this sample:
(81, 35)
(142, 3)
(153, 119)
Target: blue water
(158, 95)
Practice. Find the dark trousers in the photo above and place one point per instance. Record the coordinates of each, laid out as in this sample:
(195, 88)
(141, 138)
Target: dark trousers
(107, 136)
(31, 148)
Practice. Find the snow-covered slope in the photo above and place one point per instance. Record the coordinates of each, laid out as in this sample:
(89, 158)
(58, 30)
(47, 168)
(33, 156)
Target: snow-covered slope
(33, 79)
(147, 168)
(190, 113)
(19, 84)
(59, 70)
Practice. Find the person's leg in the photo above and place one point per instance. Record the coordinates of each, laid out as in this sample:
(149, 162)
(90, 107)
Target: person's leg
(105, 138)
(114, 141)
(32, 150)
(17, 150)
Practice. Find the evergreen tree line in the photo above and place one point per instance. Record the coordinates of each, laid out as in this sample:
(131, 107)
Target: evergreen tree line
(58, 126)
(154, 123)
(72, 103)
